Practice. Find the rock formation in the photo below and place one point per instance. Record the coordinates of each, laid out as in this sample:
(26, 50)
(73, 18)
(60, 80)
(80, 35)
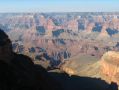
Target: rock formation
(90, 27)
(73, 25)
(110, 66)
(104, 33)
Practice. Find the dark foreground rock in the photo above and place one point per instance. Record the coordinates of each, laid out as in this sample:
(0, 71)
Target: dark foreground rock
(18, 72)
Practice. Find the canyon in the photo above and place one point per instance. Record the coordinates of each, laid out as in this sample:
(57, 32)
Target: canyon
(59, 36)
(81, 44)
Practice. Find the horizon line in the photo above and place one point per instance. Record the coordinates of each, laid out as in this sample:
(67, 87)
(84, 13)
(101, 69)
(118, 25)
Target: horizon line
(64, 12)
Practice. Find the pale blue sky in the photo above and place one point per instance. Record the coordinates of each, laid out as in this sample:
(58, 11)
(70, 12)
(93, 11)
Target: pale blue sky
(59, 5)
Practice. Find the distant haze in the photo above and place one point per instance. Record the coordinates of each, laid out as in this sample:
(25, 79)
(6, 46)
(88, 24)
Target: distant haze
(59, 5)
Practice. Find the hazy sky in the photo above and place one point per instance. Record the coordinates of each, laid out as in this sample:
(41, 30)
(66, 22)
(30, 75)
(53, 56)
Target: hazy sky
(59, 5)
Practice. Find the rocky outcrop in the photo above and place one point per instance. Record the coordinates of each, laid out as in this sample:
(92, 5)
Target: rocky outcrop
(90, 27)
(73, 25)
(107, 68)
(110, 66)
(104, 33)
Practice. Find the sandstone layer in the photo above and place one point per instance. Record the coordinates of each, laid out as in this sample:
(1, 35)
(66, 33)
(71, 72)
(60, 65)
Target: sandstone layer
(110, 67)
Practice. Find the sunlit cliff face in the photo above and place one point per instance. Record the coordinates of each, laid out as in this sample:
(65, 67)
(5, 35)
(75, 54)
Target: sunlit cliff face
(110, 66)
